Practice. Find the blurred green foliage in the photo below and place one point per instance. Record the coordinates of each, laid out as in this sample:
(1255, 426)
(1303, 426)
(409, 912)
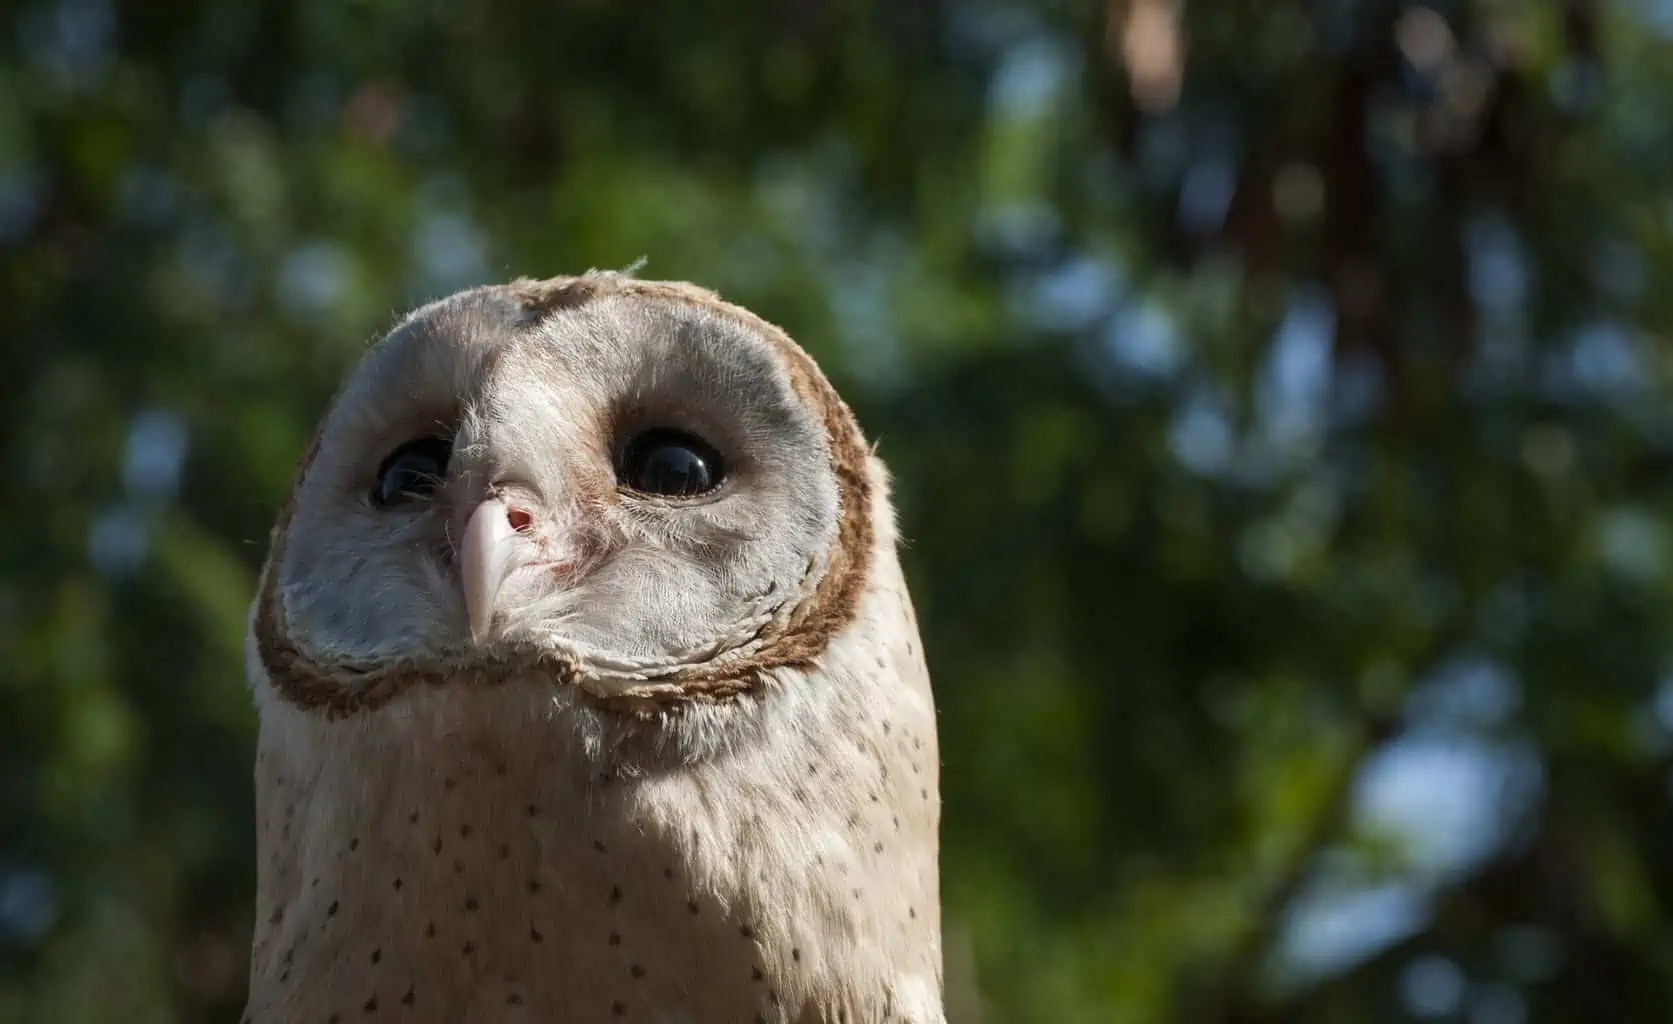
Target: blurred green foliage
(1277, 393)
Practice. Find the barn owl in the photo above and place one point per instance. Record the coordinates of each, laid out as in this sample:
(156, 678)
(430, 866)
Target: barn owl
(588, 683)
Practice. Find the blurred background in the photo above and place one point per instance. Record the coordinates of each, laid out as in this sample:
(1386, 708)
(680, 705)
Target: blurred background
(1277, 391)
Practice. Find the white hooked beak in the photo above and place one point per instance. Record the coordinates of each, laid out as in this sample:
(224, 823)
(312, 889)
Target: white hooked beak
(509, 531)
(490, 551)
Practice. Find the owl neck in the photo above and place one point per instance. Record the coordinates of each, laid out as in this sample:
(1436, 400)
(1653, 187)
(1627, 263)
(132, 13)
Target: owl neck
(470, 854)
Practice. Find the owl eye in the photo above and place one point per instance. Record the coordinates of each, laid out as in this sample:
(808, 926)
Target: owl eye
(671, 463)
(413, 470)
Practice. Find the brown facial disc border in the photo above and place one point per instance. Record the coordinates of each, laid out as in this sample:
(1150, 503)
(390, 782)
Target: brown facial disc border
(343, 689)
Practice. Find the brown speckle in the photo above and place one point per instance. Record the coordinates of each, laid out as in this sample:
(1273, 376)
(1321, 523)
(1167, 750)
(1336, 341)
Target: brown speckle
(636, 971)
(747, 932)
(615, 939)
(377, 955)
(615, 894)
(514, 1000)
(796, 954)
(534, 885)
(430, 930)
(598, 844)
(534, 935)
(371, 1005)
(407, 1000)
(618, 1009)
(331, 911)
(468, 948)
(354, 844)
(470, 904)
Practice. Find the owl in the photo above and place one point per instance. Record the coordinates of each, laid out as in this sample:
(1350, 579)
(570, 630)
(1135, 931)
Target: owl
(588, 682)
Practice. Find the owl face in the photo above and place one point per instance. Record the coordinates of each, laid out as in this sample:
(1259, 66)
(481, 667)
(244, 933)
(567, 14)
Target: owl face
(634, 475)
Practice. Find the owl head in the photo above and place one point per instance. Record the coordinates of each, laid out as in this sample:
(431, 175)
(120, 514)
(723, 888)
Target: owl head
(648, 493)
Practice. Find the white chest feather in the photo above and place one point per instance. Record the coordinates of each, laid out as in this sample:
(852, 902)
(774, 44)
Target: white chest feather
(474, 855)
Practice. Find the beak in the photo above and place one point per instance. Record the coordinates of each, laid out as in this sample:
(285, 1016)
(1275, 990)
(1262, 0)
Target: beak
(489, 552)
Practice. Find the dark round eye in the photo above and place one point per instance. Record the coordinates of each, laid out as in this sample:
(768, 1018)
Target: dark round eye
(671, 463)
(413, 470)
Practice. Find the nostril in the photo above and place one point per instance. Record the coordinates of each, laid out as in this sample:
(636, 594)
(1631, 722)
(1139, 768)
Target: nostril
(520, 519)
